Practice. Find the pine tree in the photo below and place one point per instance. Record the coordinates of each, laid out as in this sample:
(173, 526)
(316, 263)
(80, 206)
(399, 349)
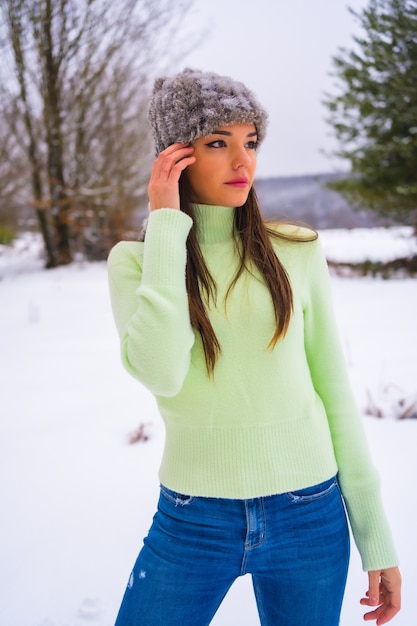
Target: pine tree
(374, 116)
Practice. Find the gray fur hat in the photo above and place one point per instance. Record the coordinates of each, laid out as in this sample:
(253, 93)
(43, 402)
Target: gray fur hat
(193, 104)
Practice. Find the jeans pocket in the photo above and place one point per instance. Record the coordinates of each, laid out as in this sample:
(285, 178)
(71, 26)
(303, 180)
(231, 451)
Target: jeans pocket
(316, 492)
(178, 499)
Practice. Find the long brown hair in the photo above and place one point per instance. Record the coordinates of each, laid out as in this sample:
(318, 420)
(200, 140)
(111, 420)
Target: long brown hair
(255, 247)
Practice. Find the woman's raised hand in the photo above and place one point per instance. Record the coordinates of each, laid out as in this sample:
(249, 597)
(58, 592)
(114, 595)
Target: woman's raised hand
(163, 190)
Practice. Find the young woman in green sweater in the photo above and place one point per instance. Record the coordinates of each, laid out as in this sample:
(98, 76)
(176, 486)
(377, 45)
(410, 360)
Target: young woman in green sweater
(229, 322)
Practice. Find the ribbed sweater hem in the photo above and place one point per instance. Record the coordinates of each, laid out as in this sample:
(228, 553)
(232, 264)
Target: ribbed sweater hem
(243, 463)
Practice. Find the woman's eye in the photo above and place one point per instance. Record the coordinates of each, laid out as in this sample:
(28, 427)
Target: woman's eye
(219, 143)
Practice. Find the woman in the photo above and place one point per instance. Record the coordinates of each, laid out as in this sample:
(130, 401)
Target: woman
(229, 323)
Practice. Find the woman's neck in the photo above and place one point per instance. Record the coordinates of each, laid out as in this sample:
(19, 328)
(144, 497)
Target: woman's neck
(214, 223)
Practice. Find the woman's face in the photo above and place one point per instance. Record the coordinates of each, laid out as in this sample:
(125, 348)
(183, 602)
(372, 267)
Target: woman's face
(225, 165)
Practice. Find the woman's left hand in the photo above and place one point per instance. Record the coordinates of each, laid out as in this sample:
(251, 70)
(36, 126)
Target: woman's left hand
(384, 592)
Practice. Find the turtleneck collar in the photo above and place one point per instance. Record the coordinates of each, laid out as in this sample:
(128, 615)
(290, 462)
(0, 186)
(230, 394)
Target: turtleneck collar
(214, 223)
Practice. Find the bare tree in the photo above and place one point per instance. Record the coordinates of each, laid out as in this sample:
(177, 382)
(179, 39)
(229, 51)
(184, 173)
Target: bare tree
(73, 93)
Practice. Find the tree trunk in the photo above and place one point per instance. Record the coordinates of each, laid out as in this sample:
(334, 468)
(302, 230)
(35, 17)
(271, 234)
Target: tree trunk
(17, 34)
(52, 113)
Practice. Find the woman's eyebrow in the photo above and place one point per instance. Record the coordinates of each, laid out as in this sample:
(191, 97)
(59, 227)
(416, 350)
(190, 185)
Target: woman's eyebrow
(229, 134)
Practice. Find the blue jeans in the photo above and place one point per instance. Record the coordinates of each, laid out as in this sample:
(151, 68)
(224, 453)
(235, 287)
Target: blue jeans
(295, 545)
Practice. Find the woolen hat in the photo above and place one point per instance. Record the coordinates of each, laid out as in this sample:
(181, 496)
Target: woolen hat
(193, 104)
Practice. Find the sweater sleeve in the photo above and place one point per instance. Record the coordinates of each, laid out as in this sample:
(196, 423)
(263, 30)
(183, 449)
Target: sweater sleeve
(150, 303)
(358, 477)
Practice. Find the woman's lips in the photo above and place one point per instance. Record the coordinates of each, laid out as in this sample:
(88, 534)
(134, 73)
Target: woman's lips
(237, 182)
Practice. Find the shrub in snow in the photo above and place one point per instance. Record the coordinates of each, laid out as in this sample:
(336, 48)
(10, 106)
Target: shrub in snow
(141, 433)
(391, 401)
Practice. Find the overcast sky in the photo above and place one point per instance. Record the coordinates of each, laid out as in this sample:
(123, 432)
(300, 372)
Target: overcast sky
(282, 50)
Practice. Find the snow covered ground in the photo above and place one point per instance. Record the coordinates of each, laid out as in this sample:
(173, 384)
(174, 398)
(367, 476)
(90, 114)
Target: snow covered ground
(76, 498)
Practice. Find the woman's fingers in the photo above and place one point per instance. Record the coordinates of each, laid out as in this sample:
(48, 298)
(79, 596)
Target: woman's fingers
(163, 189)
(172, 161)
(384, 593)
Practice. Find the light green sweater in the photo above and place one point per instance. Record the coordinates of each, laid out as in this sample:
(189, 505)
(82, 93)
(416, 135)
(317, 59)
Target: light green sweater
(271, 421)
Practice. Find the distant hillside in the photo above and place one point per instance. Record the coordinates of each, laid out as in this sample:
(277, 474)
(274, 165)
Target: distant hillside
(307, 198)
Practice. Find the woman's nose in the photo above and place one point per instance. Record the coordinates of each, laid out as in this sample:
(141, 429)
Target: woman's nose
(241, 158)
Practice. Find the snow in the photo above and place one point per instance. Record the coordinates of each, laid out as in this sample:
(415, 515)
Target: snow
(369, 244)
(77, 499)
